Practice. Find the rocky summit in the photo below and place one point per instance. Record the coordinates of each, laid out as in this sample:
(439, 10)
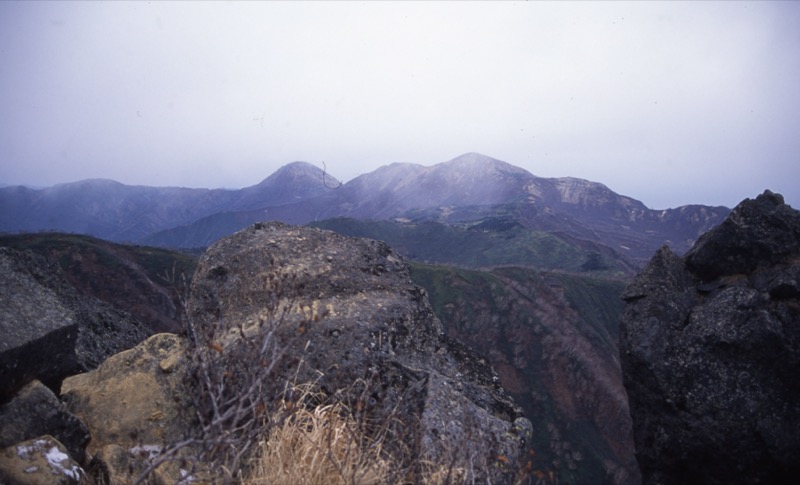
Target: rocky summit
(710, 349)
(348, 318)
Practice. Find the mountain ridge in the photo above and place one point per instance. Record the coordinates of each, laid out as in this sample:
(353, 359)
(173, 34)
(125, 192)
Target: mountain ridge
(471, 186)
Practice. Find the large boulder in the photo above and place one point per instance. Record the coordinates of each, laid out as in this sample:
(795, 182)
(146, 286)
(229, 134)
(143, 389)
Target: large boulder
(710, 349)
(49, 330)
(135, 404)
(346, 318)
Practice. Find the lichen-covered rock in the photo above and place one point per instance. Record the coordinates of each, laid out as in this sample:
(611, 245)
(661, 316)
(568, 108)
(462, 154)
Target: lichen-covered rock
(710, 348)
(134, 404)
(36, 411)
(348, 319)
(39, 461)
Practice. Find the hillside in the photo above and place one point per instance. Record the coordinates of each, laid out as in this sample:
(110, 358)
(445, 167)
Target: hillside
(552, 338)
(494, 241)
(146, 282)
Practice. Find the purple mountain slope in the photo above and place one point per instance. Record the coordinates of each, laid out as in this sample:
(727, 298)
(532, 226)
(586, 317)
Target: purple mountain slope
(468, 188)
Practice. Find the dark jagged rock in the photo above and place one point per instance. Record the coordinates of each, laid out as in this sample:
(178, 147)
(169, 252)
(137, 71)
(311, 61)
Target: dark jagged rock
(759, 232)
(36, 411)
(710, 348)
(348, 309)
(50, 330)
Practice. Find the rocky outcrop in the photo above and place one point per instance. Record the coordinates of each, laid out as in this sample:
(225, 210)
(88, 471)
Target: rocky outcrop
(348, 310)
(759, 233)
(146, 282)
(344, 324)
(50, 330)
(710, 348)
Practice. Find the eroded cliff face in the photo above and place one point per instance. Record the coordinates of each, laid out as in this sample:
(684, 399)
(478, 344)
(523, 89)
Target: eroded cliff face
(710, 349)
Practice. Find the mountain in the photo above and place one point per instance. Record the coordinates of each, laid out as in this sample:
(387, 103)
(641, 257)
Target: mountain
(469, 180)
(290, 183)
(471, 188)
(125, 213)
(280, 320)
(474, 188)
(550, 336)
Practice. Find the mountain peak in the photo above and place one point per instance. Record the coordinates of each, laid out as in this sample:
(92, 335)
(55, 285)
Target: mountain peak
(478, 166)
(297, 171)
(475, 158)
(290, 183)
(89, 183)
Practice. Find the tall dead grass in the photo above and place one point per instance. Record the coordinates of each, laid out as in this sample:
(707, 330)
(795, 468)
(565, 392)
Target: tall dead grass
(327, 445)
(321, 446)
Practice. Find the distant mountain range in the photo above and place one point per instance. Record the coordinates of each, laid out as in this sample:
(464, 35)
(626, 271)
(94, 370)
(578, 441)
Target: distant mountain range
(471, 192)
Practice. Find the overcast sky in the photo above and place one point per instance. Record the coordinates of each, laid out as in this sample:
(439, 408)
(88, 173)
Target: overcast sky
(669, 103)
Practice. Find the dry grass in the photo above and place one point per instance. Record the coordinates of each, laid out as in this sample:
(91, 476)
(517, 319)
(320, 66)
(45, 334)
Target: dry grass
(322, 446)
(326, 446)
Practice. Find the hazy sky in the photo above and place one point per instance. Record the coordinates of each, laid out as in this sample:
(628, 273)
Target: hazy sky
(669, 103)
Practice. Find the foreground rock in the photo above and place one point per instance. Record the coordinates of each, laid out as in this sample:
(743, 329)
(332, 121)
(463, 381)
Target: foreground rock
(710, 348)
(40, 461)
(36, 411)
(135, 404)
(346, 308)
(282, 317)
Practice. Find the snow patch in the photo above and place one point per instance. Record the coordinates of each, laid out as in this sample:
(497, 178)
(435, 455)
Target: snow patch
(148, 452)
(58, 460)
(186, 477)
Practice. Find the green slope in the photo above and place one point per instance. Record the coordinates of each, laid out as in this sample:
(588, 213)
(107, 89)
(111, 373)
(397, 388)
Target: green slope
(488, 243)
